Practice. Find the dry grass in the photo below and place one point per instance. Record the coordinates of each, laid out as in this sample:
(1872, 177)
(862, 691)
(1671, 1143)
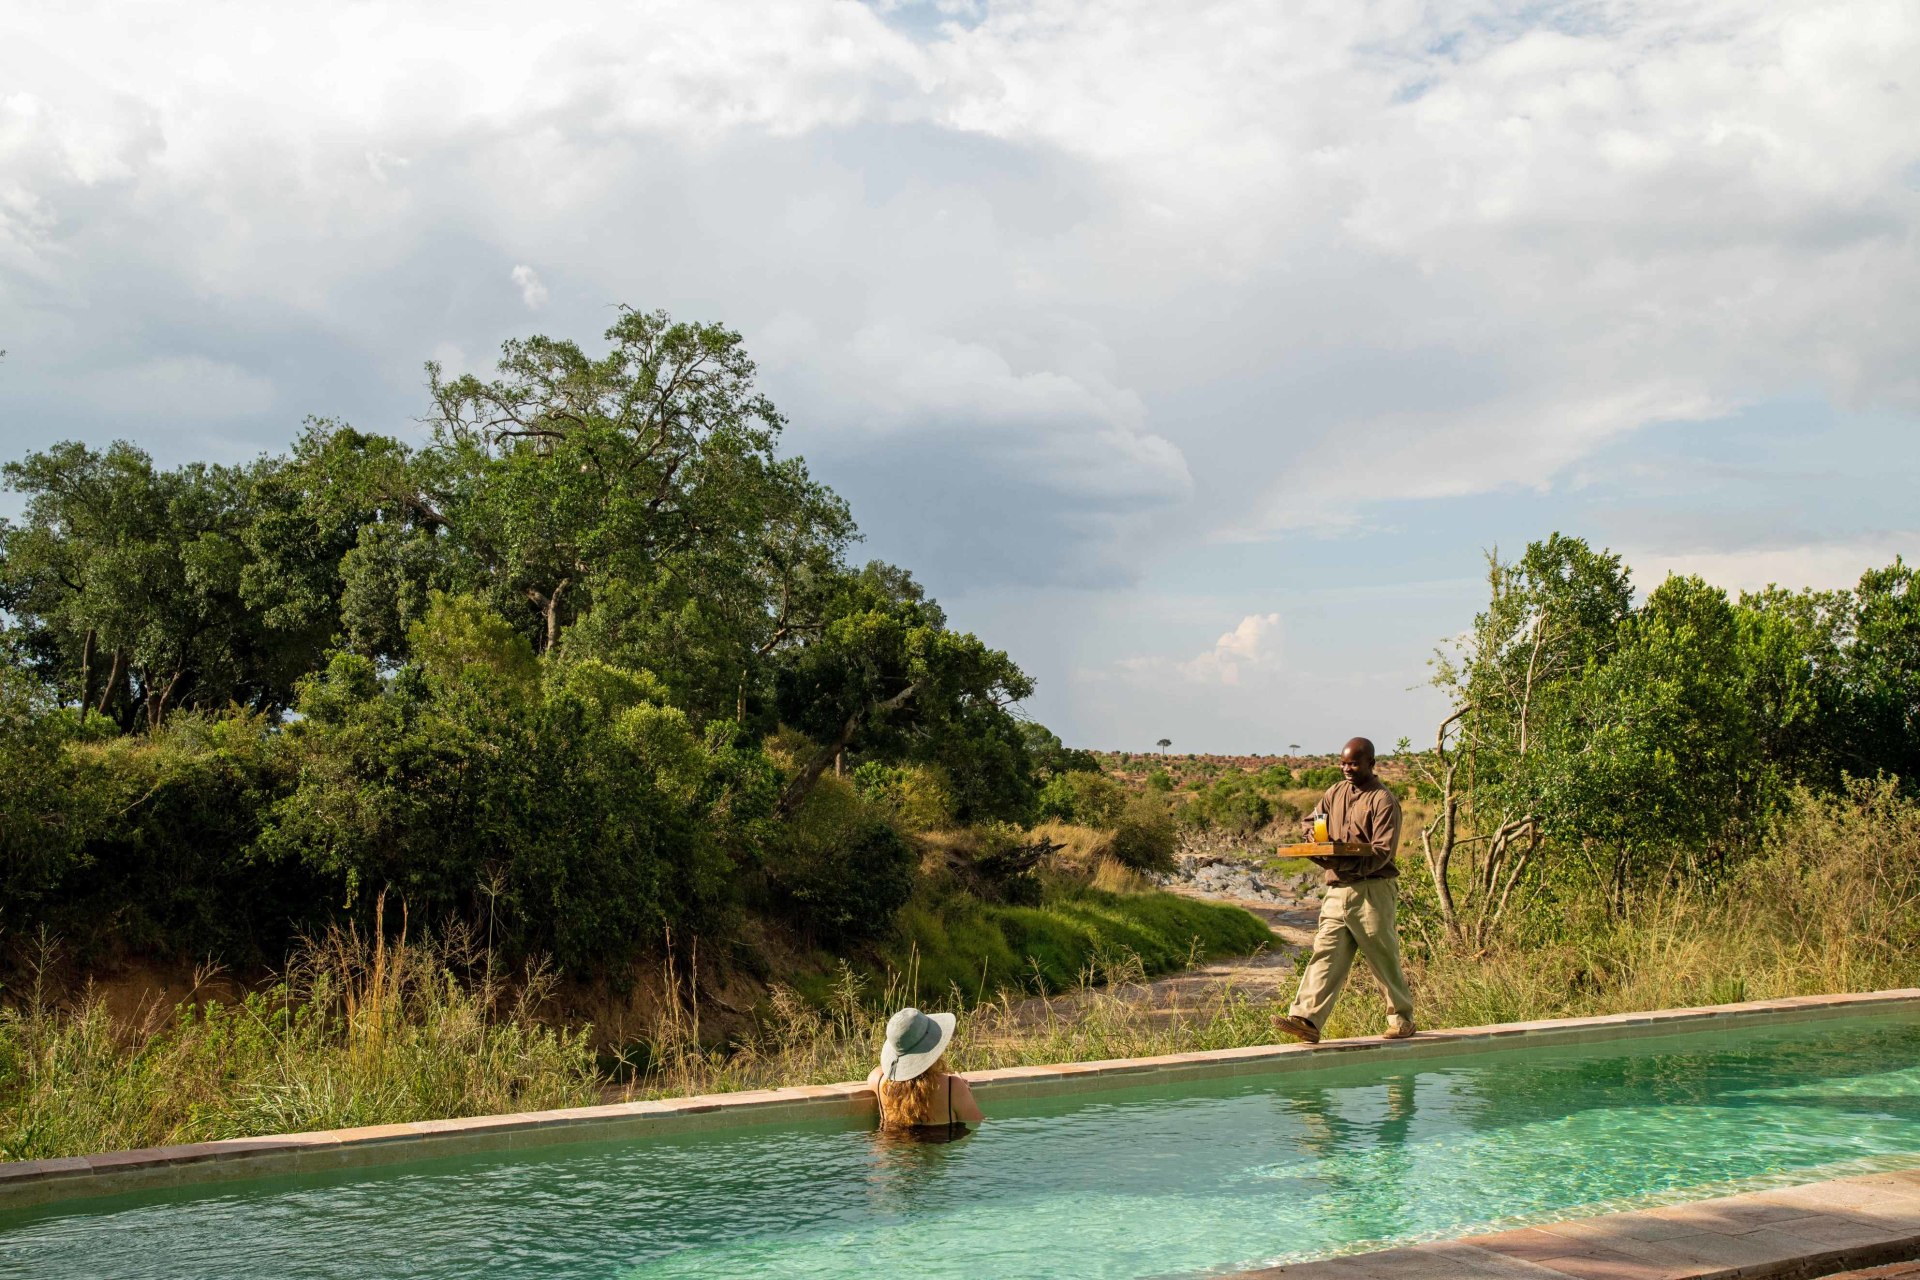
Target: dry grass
(1082, 849)
(368, 1032)
(801, 1043)
(360, 1032)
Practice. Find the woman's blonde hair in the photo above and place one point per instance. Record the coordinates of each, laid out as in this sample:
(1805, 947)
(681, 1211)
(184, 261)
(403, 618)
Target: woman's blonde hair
(905, 1104)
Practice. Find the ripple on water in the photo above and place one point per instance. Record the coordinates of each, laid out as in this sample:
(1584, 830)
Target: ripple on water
(1134, 1183)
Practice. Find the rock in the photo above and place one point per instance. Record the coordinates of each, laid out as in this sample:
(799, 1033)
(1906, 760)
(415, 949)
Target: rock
(1217, 875)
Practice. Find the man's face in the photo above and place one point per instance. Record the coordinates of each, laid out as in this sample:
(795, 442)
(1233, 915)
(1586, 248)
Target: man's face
(1355, 764)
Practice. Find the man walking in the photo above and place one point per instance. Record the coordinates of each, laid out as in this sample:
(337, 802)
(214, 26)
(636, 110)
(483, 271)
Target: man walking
(1363, 895)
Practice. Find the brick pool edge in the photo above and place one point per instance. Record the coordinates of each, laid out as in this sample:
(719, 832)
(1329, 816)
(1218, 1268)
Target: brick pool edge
(35, 1182)
(1787, 1233)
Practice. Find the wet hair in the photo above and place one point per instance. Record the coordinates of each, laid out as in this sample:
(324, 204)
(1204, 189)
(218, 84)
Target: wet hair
(919, 1101)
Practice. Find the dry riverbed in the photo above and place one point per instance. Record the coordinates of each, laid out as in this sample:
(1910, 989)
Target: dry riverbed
(1289, 904)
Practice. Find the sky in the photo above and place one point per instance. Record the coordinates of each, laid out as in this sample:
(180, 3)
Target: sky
(1197, 354)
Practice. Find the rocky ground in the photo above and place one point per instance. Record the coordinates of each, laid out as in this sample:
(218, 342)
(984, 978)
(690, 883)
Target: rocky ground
(1227, 878)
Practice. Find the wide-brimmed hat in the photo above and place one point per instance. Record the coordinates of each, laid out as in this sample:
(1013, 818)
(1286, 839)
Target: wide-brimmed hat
(915, 1041)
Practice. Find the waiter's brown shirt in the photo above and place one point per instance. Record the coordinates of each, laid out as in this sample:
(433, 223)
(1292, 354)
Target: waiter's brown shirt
(1367, 815)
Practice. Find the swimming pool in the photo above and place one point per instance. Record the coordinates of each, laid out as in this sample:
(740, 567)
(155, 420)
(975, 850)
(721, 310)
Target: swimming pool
(1151, 1181)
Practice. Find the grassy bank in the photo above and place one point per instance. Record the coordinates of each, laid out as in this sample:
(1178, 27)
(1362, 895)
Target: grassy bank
(961, 951)
(368, 1034)
(356, 1034)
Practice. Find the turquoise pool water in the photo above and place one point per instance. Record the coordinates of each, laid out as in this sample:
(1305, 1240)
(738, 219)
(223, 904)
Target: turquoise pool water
(1137, 1183)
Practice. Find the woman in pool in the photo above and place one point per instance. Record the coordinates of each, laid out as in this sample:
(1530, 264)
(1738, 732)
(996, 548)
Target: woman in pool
(916, 1088)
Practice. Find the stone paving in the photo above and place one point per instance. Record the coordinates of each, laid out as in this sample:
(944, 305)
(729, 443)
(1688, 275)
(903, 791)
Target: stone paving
(1791, 1232)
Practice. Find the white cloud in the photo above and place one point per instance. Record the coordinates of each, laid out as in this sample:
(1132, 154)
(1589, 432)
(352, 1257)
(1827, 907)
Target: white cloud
(1251, 645)
(532, 291)
(1819, 565)
(1526, 441)
(1055, 289)
(1627, 214)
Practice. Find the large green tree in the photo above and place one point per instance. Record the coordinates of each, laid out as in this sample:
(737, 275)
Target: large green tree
(888, 678)
(127, 584)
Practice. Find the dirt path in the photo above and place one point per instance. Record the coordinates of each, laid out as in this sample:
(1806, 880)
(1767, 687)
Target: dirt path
(1265, 975)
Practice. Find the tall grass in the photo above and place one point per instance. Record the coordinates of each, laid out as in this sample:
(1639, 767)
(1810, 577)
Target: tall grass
(1830, 904)
(366, 1031)
(1101, 1016)
(361, 1031)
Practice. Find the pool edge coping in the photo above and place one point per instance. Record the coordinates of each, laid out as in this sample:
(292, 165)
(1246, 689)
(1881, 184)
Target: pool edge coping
(1782, 1233)
(32, 1183)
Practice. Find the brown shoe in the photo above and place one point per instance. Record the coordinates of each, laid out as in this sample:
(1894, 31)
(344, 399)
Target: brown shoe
(1298, 1028)
(1398, 1028)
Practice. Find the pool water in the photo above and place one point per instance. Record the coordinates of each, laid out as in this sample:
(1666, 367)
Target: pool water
(1148, 1182)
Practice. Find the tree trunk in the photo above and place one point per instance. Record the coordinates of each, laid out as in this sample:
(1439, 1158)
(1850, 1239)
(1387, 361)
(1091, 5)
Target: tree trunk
(157, 703)
(88, 652)
(804, 781)
(116, 676)
(550, 610)
(1440, 862)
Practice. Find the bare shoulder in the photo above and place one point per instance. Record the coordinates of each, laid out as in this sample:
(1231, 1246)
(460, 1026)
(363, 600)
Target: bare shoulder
(964, 1107)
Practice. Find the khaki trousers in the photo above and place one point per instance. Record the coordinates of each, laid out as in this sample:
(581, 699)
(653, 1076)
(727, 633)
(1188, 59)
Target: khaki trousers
(1355, 917)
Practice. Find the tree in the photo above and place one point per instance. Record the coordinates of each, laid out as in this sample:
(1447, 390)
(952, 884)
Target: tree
(1875, 688)
(475, 780)
(1551, 615)
(128, 584)
(656, 461)
(1164, 743)
(345, 545)
(888, 677)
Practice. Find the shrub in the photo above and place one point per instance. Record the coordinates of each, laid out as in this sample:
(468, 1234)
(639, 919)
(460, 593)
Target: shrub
(167, 849)
(1232, 804)
(577, 815)
(1143, 838)
(1089, 799)
(43, 813)
(918, 797)
(840, 869)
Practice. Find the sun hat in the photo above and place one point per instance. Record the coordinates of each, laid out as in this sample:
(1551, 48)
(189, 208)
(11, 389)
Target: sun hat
(915, 1041)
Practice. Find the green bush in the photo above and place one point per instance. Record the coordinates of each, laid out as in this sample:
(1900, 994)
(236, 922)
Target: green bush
(1275, 777)
(168, 847)
(1086, 799)
(919, 797)
(1143, 836)
(575, 815)
(44, 815)
(1320, 778)
(840, 870)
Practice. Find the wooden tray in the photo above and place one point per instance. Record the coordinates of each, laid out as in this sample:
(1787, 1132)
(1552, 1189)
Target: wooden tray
(1335, 849)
